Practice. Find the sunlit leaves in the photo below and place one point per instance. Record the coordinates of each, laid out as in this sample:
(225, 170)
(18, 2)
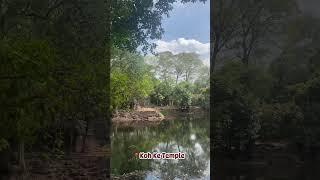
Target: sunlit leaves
(131, 79)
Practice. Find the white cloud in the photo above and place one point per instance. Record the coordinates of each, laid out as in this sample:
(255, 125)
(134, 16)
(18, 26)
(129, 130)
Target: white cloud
(185, 45)
(178, 5)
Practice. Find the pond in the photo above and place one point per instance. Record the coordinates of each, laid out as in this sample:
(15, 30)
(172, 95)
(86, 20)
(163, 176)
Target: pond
(187, 133)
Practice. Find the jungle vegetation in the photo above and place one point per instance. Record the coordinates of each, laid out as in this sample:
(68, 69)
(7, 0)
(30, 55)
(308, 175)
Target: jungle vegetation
(55, 69)
(180, 80)
(264, 76)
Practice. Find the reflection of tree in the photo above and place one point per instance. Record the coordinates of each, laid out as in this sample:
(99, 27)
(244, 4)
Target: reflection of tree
(193, 166)
(178, 139)
(169, 136)
(124, 143)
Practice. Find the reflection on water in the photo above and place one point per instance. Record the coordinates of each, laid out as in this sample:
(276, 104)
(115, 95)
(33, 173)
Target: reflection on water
(188, 134)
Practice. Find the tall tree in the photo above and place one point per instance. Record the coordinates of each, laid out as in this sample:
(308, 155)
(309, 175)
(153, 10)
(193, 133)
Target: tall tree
(191, 64)
(165, 65)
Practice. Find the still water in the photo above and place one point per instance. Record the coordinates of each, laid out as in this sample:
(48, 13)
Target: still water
(188, 133)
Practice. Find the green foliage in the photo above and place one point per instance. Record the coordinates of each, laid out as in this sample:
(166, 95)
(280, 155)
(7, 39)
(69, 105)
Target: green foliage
(202, 98)
(278, 102)
(51, 69)
(163, 93)
(308, 99)
(3, 144)
(134, 23)
(131, 79)
(183, 66)
(183, 94)
(280, 121)
(119, 89)
(236, 124)
(26, 91)
(184, 80)
(190, 63)
(55, 62)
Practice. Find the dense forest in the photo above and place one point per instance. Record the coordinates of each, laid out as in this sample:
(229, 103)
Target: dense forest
(265, 78)
(58, 59)
(180, 80)
(55, 77)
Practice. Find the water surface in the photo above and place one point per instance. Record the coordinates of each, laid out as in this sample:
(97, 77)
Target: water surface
(188, 133)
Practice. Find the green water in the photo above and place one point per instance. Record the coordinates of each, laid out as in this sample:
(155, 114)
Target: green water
(188, 133)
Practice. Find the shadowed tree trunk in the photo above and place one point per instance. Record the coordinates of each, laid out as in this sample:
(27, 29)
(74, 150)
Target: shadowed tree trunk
(84, 138)
(21, 158)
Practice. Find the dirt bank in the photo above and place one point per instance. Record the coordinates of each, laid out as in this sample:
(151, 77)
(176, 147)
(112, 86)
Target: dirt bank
(129, 176)
(141, 116)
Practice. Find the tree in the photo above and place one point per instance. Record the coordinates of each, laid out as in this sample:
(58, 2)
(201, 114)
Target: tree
(190, 63)
(163, 93)
(27, 97)
(223, 27)
(48, 76)
(246, 27)
(235, 114)
(134, 23)
(131, 79)
(183, 95)
(201, 88)
(165, 65)
(178, 65)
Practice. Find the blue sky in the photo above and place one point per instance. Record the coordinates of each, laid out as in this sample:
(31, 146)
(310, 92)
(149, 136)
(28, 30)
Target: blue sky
(187, 30)
(190, 20)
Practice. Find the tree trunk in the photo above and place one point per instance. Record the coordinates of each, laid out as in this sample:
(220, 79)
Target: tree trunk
(116, 111)
(245, 59)
(2, 18)
(5, 160)
(22, 163)
(187, 76)
(84, 138)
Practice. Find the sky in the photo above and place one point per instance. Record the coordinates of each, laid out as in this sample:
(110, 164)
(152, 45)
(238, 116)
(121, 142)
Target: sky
(187, 30)
(190, 20)
(188, 27)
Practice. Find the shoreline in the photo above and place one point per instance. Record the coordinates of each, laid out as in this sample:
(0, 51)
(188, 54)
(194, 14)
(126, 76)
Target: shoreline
(142, 116)
(150, 116)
